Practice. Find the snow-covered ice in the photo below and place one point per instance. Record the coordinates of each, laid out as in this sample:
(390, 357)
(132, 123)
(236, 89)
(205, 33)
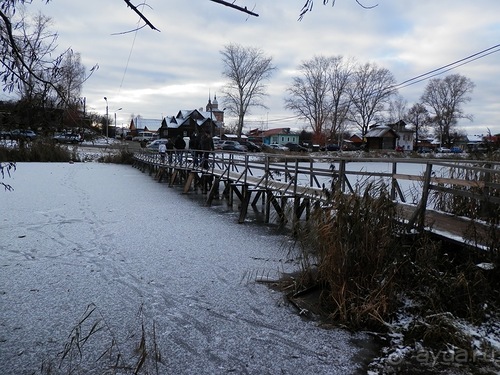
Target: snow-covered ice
(108, 235)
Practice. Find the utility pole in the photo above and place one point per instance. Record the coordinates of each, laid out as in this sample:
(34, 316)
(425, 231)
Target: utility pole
(107, 120)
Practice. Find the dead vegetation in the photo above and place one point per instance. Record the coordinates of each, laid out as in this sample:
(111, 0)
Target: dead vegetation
(361, 270)
(92, 347)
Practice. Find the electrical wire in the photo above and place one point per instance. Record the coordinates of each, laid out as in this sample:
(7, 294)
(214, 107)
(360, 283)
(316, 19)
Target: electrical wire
(130, 53)
(448, 67)
(421, 77)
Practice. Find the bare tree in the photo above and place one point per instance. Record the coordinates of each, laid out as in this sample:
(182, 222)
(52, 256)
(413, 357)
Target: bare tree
(70, 75)
(309, 95)
(370, 91)
(246, 68)
(397, 109)
(444, 98)
(33, 45)
(339, 79)
(418, 117)
(319, 95)
(31, 64)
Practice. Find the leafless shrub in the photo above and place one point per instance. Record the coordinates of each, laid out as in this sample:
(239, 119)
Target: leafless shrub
(92, 347)
(356, 250)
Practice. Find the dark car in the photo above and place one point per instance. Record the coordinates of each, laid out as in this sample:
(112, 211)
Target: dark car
(4, 134)
(295, 147)
(424, 150)
(233, 146)
(456, 150)
(252, 147)
(67, 138)
(331, 147)
(28, 135)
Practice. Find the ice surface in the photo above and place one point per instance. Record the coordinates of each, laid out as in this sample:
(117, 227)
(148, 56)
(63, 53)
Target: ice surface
(86, 233)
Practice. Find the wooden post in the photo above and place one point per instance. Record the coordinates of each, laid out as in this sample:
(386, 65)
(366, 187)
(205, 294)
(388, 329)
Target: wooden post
(418, 217)
(244, 203)
(189, 181)
(394, 181)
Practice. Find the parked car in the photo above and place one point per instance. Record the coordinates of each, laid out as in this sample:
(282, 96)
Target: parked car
(217, 144)
(275, 146)
(154, 145)
(28, 135)
(252, 147)
(144, 136)
(443, 150)
(295, 147)
(233, 146)
(456, 150)
(4, 134)
(67, 138)
(330, 147)
(424, 150)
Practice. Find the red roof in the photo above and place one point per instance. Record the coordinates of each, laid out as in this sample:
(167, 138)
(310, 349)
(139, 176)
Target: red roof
(276, 131)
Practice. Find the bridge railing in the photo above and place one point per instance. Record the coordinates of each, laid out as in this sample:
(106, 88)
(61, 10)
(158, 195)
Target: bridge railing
(440, 184)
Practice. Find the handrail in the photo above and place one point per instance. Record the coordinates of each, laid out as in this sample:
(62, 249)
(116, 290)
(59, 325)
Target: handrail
(340, 173)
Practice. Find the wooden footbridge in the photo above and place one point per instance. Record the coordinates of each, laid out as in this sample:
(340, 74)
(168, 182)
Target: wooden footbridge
(447, 197)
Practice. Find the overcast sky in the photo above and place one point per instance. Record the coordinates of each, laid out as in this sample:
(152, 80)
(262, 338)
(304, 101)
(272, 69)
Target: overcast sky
(156, 74)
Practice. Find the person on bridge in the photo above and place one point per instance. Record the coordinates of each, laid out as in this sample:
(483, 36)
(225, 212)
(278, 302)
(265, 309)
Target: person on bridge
(180, 146)
(162, 150)
(194, 145)
(207, 145)
(170, 150)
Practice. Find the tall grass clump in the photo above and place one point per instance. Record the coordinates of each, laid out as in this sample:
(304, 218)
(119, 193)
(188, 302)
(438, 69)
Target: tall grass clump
(38, 151)
(121, 157)
(93, 347)
(352, 252)
(358, 252)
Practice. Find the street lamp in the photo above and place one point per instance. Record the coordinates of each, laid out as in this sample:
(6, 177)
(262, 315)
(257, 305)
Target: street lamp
(119, 109)
(107, 120)
(222, 124)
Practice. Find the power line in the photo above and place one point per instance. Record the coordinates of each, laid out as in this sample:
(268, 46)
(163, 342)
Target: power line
(448, 67)
(421, 77)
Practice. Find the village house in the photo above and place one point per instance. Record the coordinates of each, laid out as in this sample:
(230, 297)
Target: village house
(381, 137)
(192, 122)
(139, 124)
(406, 136)
(279, 136)
(390, 137)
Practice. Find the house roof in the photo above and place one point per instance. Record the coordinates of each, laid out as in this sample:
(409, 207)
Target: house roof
(277, 131)
(380, 132)
(474, 138)
(143, 123)
(184, 116)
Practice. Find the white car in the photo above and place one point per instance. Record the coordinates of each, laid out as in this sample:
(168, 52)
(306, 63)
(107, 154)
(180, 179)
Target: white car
(443, 150)
(278, 147)
(144, 136)
(153, 146)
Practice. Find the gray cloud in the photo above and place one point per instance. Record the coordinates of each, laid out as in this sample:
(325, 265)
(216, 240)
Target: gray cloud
(177, 67)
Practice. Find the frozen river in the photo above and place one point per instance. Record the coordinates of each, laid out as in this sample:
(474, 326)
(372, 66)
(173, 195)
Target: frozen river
(144, 255)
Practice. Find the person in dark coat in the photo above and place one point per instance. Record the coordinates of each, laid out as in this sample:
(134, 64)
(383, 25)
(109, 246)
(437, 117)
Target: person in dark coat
(207, 145)
(180, 146)
(194, 145)
(170, 150)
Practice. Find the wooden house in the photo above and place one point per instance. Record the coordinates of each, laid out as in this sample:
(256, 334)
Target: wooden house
(381, 138)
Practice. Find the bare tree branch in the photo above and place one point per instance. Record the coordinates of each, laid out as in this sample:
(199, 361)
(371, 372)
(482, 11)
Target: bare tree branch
(134, 8)
(308, 6)
(232, 5)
